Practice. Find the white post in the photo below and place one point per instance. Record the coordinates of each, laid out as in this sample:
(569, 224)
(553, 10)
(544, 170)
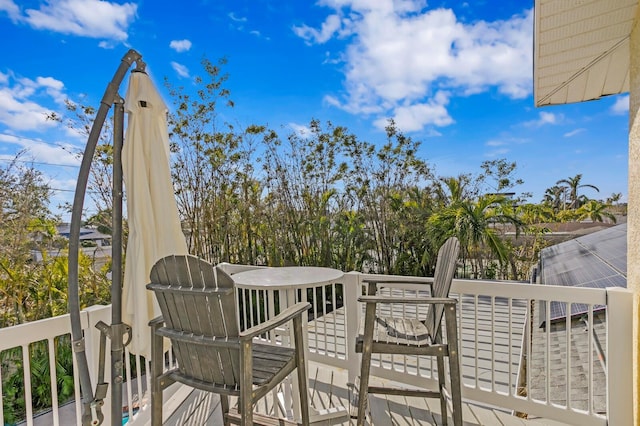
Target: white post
(352, 290)
(619, 356)
(633, 206)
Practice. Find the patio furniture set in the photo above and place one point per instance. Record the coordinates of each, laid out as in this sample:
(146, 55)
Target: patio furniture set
(213, 353)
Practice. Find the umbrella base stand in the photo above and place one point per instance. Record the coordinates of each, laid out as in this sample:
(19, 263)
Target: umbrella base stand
(92, 411)
(115, 333)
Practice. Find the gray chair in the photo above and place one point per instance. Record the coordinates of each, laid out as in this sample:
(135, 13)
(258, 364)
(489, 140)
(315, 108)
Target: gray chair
(391, 334)
(198, 303)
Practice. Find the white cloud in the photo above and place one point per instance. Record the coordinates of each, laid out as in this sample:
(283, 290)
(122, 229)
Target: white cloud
(300, 129)
(495, 143)
(497, 152)
(574, 132)
(329, 27)
(180, 45)
(416, 116)
(20, 102)
(180, 69)
(86, 18)
(11, 8)
(61, 153)
(621, 106)
(235, 18)
(545, 118)
(400, 54)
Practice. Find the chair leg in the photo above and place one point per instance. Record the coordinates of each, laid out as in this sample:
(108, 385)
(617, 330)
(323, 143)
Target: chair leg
(365, 362)
(156, 402)
(363, 394)
(454, 363)
(224, 405)
(454, 368)
(246, 408)
(157, 364)
(303, 384)
(441, 388)
(245, 404)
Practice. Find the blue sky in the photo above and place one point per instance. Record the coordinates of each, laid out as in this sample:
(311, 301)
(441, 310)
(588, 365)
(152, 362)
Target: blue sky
(455, 75)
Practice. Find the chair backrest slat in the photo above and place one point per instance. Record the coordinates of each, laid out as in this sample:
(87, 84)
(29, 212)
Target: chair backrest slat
(442, 278)
(198, 313)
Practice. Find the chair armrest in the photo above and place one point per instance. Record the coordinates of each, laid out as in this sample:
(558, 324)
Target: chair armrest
(396, 279)
(409, 300)
(281, 318)
(389, 280)
(157, 320)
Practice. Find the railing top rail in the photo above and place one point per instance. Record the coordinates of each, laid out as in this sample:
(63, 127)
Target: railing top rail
(34, 331)
(568, 294)
(509, 289)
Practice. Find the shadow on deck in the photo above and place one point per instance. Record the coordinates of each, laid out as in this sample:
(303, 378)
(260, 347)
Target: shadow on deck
(329, 391)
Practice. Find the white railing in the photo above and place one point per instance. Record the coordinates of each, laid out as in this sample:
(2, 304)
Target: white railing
(496, 321)
(500, 338)
(52, 333)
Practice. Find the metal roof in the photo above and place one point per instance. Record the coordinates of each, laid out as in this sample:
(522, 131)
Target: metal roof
(581, 49)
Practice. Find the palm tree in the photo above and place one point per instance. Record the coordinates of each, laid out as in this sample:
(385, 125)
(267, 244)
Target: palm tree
(614, 198)
(474, 223)
(596, 211)
(555, 197)
(573, 184)
(452, 190)
(531, 214)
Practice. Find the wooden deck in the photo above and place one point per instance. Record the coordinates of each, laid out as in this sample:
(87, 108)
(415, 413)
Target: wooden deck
(329, 390)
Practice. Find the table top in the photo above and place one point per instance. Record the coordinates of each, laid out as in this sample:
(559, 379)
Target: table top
(287, 277)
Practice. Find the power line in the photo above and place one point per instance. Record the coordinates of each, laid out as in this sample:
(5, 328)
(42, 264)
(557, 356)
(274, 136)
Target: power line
(40, 163)
(56, 144)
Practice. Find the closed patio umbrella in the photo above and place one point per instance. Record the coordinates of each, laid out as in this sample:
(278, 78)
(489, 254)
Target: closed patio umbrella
(154, 224)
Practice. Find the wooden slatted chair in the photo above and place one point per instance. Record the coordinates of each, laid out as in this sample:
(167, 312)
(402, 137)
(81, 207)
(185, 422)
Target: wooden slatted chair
(198, 304)
(397, 335)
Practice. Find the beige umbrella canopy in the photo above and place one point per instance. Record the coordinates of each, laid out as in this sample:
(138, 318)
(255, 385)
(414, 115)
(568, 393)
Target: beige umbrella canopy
(583, 50)
(154, 224)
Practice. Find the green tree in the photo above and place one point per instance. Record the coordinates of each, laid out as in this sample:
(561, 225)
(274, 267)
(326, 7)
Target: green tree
(213, 171)
(499, 176)
(379, 175)
(416, 249)
(477, 224)
(573, 184)
(453, 190)
(302, 175)
(555, 197)
(596, 211)
(531, 214)
(79, 118)
(614, 198)
(26, 227)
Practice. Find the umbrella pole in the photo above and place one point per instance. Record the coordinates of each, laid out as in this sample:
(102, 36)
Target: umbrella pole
(91, 412)
(118, 329)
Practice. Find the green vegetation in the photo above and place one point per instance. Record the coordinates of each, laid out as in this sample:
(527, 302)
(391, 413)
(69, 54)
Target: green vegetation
(33, 285)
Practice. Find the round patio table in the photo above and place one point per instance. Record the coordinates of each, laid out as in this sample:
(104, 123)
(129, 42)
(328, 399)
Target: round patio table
(287, 277)
(290, 279)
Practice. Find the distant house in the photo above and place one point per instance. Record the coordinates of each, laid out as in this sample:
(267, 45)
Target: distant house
(597, 260)
(89, 237)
